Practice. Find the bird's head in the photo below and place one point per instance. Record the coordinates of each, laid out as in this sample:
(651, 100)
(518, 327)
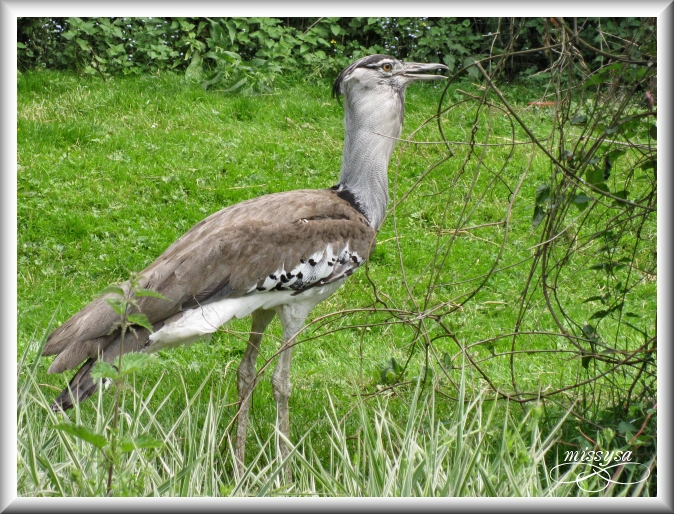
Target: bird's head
(382, 74)
(374, 94)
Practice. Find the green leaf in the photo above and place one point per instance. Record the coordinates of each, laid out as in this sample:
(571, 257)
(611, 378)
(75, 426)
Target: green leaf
(653, 132)
(217, 34)
(472, 71)
(231, 30)
(117, 305)
(144, 441)
(625, 427)
(237, 85)
(615, 155)
(395, 366)
(150, 292)
(581, 201)
(133, 362)
(602, 186)
(233, 55)
(103, 370)
(650, 164)
(539, 214)
(603, 74)
(594, 79)
(83, 44)
(213, 80)
(84, 433)
(140, 319)
(600, 314)
(620, 194)
(114, 290)
(617, 307)
(542, 194)
(588, 331)
(594, 175)
(578, 120)
(585, 361)
(593, 299)
(218, 57)
(607, 266)
(193, 71)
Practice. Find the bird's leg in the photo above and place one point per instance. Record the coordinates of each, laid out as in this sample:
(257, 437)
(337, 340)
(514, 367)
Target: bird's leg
(292, 317)
(246, 383)
(282, 389)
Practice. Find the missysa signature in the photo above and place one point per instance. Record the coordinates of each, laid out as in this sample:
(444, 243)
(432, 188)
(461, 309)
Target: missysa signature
(605, 466)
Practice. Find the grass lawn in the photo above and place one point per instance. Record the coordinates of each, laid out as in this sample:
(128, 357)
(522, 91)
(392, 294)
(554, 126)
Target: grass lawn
(111, 173)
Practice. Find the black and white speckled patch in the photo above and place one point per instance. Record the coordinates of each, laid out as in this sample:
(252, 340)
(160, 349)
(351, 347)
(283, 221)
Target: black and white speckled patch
(316, 269)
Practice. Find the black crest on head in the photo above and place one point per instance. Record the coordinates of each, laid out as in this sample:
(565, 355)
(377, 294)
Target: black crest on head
(360, 63)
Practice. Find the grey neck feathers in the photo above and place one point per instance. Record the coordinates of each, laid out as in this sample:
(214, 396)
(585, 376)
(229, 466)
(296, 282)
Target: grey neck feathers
(372, 125)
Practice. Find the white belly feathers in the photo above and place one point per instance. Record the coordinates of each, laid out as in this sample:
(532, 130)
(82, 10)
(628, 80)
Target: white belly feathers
(200, 322)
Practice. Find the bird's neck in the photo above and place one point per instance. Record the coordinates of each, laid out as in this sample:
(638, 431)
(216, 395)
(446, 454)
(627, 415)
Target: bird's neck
(369, 141)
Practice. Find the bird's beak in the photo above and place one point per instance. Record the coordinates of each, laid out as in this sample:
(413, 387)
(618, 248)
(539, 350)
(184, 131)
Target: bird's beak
(415, 70)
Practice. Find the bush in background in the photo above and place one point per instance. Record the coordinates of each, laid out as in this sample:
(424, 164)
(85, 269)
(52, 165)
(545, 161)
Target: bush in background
(249, 53)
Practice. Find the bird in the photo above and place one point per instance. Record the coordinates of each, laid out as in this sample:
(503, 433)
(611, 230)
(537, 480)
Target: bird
(277, 254)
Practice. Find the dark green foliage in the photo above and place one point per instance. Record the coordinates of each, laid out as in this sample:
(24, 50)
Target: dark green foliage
(105, 45)
(249, 53)
(387, 373)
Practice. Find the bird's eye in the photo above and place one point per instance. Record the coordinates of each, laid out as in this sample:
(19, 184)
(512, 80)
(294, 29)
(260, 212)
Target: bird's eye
(386, 67)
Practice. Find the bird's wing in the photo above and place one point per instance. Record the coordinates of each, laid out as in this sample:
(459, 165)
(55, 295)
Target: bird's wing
(294, 241)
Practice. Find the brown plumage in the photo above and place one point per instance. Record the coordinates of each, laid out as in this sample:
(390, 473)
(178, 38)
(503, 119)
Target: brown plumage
(226, 254)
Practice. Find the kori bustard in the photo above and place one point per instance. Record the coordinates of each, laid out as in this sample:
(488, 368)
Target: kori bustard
(281, 253)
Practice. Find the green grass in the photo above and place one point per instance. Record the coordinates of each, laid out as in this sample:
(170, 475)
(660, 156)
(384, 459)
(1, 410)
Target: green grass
(112, 173)
(476, 450)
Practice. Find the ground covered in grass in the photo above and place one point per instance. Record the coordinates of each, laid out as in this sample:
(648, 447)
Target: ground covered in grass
(111, 173)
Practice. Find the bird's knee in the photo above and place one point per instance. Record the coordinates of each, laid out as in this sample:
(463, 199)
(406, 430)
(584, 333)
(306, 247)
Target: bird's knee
(282, 389)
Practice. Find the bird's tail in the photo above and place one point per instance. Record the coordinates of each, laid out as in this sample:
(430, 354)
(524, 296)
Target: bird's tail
(82, 385)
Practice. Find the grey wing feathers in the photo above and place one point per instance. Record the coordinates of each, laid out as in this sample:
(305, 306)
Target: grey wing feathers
(302, 238)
